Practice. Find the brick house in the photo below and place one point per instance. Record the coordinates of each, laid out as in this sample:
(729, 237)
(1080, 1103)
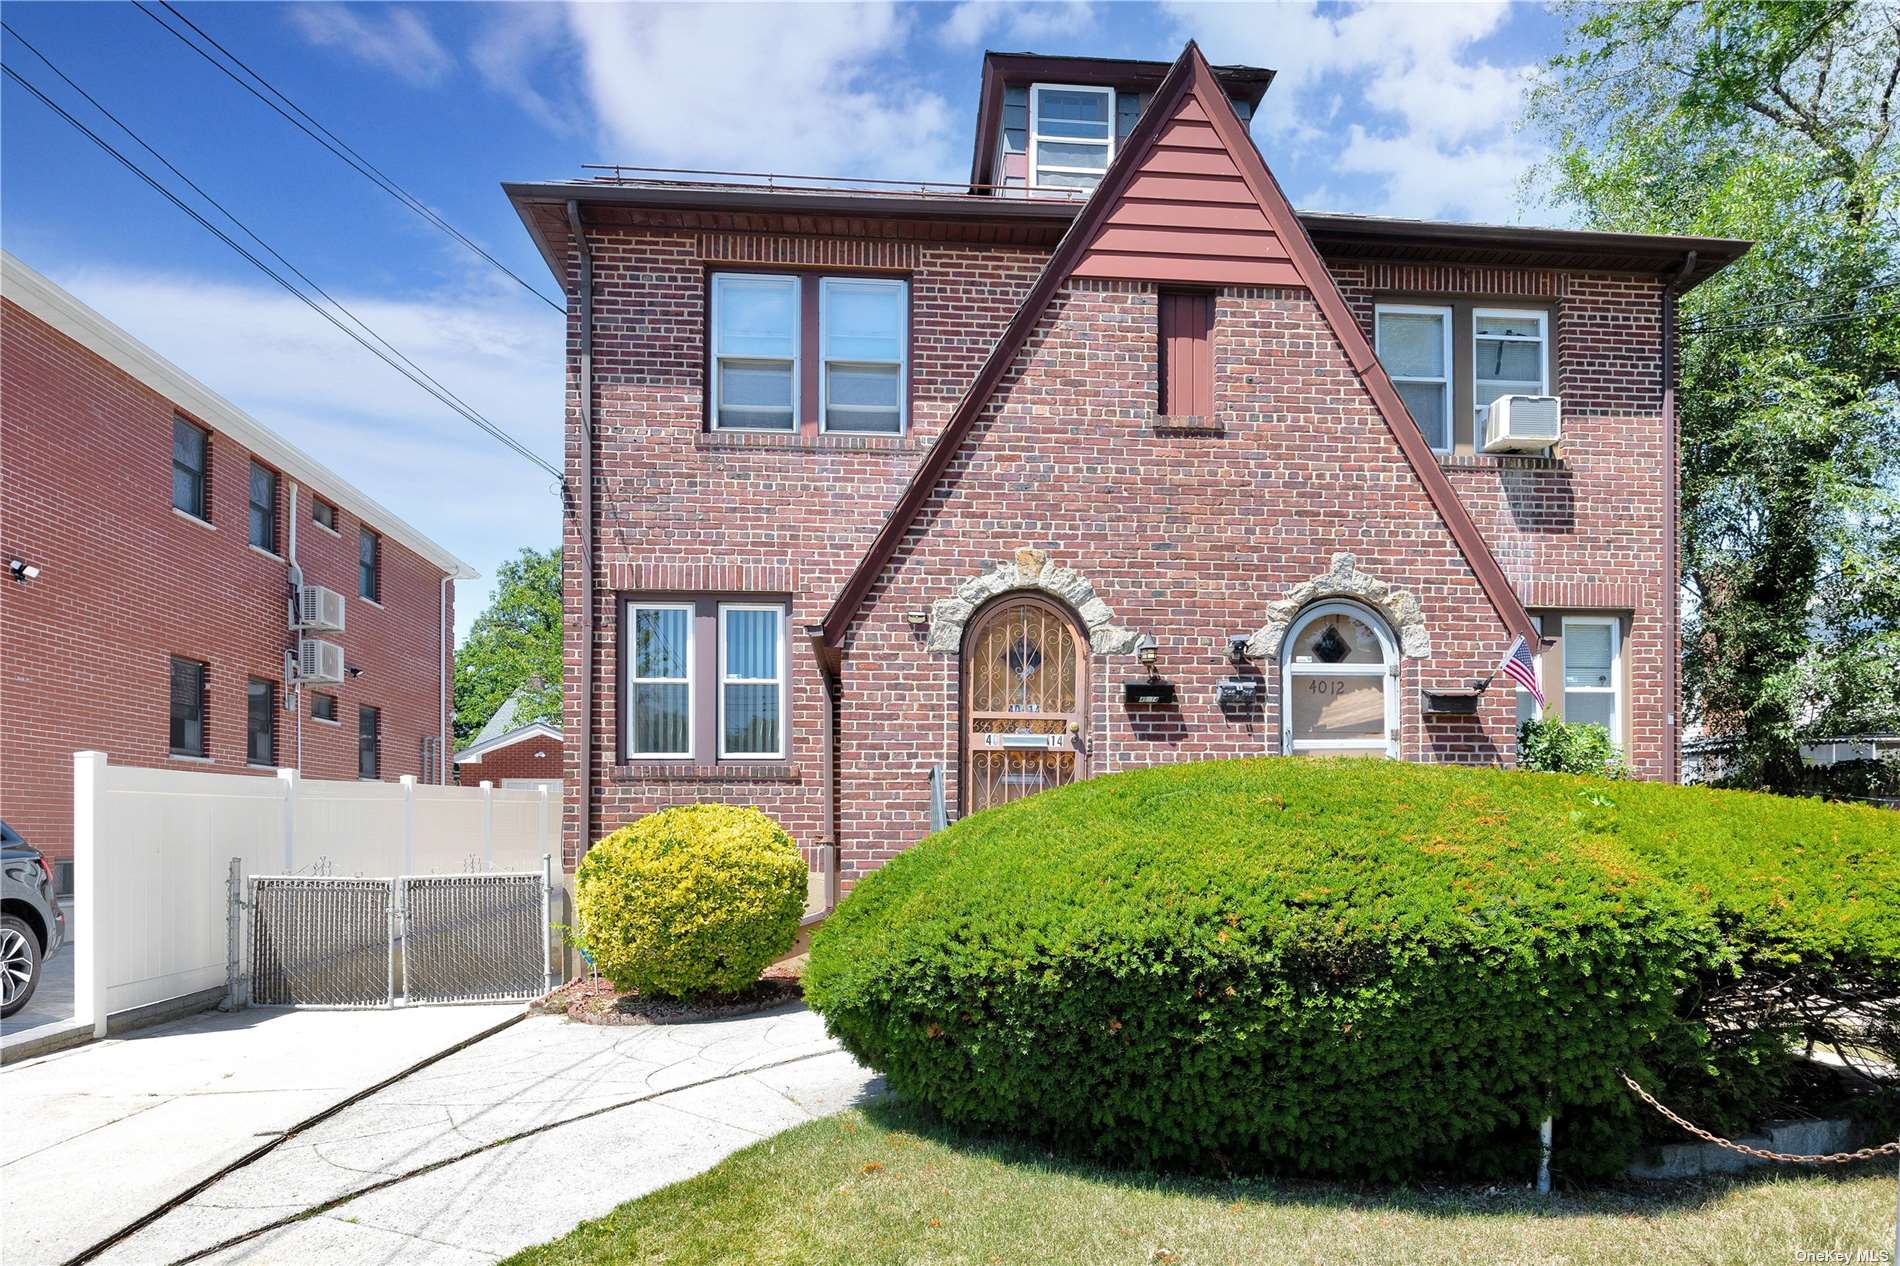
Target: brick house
(511, 751)
(897, 502)
(154, 534)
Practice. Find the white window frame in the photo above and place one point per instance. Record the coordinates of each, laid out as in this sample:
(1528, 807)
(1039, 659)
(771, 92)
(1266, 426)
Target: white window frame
(903, 353)
(634, 681)
(712, 327)
(1444, 314)
(1385, 670)
(1543, 358)
(784, 714)
(1614, 689)
(1035, 120)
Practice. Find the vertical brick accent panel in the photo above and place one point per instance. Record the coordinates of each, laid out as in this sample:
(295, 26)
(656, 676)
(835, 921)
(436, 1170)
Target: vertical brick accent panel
(126, 583)
(1585, 530)
(1186, 534)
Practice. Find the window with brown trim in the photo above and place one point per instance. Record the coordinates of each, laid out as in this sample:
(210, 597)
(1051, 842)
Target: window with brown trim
(1187, 354)
(705, 679)
(805, 351)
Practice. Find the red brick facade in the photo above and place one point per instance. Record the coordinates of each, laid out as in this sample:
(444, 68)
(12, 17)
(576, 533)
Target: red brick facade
(533, 756)
(126, 582)
(1186, 533)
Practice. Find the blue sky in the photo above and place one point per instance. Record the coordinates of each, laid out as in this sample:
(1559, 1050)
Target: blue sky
(1403, 109)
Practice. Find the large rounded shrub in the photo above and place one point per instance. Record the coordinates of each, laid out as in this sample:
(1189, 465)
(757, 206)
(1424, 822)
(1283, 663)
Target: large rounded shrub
(1331, 967)
(691, 899)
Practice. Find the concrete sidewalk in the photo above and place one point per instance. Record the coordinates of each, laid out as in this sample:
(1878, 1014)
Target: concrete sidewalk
(720, 1085)
(101, 1135)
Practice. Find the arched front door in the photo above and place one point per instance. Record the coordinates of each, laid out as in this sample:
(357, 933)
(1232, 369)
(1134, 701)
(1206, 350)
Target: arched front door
(1338, 693)
(1025, 701)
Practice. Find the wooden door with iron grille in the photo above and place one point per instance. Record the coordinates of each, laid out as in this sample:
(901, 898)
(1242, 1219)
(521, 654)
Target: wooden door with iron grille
(1025, 702)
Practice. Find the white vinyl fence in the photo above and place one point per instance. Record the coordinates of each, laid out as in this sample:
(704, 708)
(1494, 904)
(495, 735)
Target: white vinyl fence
(152, 852)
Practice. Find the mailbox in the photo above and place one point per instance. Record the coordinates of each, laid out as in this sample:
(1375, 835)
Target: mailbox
(1451, 703)
(1237, 692)
(1153, 690)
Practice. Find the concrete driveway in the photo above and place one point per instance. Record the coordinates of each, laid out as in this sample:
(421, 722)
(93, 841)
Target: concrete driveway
(103, 1134)
(507, 1142)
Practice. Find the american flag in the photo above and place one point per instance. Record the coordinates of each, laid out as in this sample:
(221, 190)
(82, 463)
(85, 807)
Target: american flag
(1522, 669)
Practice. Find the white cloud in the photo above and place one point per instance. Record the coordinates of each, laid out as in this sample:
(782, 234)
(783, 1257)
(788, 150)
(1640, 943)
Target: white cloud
(790, 88)
(393, 39)
(270, 355)
(1436, 121)
(523, 53)
(974, 21)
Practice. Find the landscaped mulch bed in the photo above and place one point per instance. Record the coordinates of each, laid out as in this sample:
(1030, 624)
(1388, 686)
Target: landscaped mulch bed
(594, 1000)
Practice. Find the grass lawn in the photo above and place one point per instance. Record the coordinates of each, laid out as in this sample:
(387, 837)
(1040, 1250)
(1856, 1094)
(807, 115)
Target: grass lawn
(889, 1184)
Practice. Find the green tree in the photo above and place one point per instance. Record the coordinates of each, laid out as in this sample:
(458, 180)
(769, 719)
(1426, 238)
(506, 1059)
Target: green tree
(518, 637)
(1773, 122)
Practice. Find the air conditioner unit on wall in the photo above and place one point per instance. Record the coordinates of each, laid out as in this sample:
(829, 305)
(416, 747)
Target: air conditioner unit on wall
(1523, 424)
(318, 608)
(318, 661)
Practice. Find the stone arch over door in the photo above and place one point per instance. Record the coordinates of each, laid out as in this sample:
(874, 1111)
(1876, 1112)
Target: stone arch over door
(1029, 569)
(1344, 580)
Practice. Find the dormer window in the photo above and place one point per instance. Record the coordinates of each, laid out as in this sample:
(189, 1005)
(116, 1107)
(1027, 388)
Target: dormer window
(1071, 135)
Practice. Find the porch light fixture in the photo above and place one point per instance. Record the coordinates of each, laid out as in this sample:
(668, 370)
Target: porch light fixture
(22, 570)
(917, 619)
(1145, 650)
(353, 671)
(1237, 647)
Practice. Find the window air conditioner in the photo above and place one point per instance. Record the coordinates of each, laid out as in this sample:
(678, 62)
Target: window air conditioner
(318, 661)
(1523, 424)
(319, 608)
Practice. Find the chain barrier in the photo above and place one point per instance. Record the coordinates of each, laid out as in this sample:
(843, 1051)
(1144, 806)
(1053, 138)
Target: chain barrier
(1832, 1158)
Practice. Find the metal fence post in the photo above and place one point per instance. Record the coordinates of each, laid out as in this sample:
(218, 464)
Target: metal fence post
(541, 826)
(547, 913)
(488, 825)
(389, 963)
(233, 923)
(289, 777)
(408, 823)
(89, 951)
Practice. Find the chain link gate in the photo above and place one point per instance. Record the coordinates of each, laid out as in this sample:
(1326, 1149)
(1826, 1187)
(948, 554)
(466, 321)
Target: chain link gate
(318, 941)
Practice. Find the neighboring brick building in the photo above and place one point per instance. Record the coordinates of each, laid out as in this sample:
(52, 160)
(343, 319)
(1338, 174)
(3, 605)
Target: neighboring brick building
(511, 751)
(161, 527)
(894, 503)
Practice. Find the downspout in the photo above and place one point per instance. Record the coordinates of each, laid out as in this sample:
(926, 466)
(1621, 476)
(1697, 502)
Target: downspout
(1672, 537)
(296, 595)
(584, 790)
(442, 689)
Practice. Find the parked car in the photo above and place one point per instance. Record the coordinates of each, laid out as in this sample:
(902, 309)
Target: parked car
(32, 926)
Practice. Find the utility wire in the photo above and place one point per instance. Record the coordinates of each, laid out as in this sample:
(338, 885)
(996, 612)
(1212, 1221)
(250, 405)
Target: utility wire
(230, 215)
(330, 140)
(1772, 323)
(421, 380)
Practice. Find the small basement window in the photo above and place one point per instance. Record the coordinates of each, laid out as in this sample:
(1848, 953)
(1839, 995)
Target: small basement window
(1071, 135)
(323, 707)
(1187, 354)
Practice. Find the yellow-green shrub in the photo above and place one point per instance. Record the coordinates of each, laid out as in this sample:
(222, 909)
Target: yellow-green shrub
(691, 899)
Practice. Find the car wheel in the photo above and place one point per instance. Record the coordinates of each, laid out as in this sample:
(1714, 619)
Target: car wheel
(19, 964)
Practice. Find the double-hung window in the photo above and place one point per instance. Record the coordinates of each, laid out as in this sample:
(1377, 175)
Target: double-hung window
(862, 326)
(751, 681)
(1592, 675)
(188, 707)
(260, 723)
(191, 468)
(1071, 135)
(755, 361)
(1414, 345)
(263, 507)
(707, 680)
(1509, 356)
(369, 742)
(369, 565)
(660, 681)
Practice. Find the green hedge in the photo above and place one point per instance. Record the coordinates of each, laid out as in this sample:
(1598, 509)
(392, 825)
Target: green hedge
(1332, 967)
(689, 900)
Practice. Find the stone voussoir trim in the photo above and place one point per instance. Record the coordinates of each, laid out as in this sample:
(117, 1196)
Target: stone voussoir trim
(1030, 569)
(1343, 579)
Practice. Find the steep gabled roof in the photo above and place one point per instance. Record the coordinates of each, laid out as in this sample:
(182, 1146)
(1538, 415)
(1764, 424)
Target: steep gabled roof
(1277, 252)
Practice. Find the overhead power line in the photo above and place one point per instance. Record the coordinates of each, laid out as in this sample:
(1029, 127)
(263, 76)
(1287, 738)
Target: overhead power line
(395, 360)
(306, 123)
